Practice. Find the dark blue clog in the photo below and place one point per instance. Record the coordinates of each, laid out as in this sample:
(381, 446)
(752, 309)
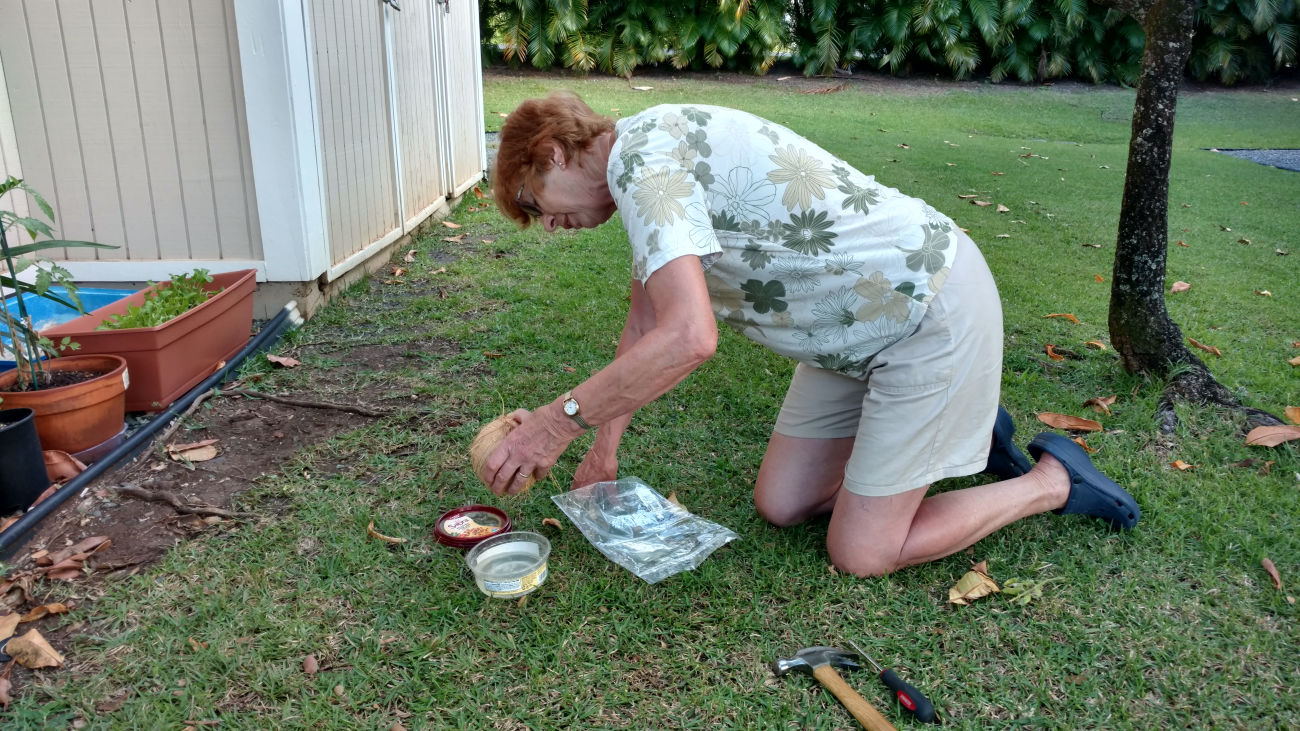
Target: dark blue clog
(1005, 459)
(1091, 492)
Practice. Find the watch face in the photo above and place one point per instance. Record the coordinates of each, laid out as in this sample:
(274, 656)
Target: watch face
(570, 407)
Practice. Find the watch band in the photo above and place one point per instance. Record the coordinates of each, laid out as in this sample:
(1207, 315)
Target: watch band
(576, 414)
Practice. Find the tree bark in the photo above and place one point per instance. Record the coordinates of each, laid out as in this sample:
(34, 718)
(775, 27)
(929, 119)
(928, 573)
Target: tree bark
(1140, 327)
(1141, 331)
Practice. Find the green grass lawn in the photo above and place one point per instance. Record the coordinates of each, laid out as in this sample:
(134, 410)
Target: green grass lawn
(1174, 624)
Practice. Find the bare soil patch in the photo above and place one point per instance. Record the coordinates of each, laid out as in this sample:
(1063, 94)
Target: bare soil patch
(253, 437)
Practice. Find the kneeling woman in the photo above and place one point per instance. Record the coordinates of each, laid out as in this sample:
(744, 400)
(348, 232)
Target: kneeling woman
(887, 306)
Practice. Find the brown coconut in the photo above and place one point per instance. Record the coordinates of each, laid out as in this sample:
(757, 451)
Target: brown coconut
(487, 440)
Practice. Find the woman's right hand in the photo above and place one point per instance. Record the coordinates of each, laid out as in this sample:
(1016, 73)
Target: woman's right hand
(595, 467)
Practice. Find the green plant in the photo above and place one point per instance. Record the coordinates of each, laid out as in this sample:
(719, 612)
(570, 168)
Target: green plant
(28, 347)
(174, 298)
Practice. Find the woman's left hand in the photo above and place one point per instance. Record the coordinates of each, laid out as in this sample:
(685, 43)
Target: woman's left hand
(530, 449)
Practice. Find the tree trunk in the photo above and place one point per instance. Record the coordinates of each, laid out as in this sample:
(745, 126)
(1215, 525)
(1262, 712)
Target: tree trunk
(1141, 330)
(1145, 337)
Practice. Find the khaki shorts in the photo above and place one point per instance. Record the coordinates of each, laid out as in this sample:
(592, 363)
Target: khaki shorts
(926, 408)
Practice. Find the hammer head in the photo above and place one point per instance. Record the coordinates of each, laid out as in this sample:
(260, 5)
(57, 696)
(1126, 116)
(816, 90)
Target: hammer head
(810, 658)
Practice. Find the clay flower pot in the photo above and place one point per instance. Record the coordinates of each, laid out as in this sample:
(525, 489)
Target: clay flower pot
(23, 477)
(79, 416)
(168, 360)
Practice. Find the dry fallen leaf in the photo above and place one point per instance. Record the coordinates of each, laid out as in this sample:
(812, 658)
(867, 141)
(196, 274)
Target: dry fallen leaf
(1100, 404)
(973, 585)
(968, 197)
(398, 271)
(194, 451)
(1083, 443)
(309, 665)
(32, 651)
(1263, 293)
(9, 623)
(1181, 466)
(1051, 352)
(1295, 361)
(492, 354)
(1064, 316)
(410, 255)
(450, 224)
(672, 498)
(1091, 246)
(1293, 414)
(1002, 236)
(1099, 278)
(1067, 422)
(453, 239)
(1003, 209)
(1180, 287)
(284, 361)
(1207, 348)
(1097, 344)
(370, 530)
(553, 523)
(642, 88)
(1271, 436)
(1272, 573)
(1184, 244)
(981, 204)
(196, 645)
(478, 193)
(5, 686)
(44, 610)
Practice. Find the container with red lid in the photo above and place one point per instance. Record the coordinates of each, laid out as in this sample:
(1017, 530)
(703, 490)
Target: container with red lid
(465, 526)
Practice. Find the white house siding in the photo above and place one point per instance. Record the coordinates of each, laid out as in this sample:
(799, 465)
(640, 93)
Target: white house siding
(417, 114)
(464, 80)
(352, 87)
(140, 139)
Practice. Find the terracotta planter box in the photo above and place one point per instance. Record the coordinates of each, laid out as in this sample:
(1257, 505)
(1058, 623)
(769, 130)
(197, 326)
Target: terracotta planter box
(168, 360)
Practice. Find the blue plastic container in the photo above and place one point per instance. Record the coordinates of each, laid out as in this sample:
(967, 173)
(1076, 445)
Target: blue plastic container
(48, 313)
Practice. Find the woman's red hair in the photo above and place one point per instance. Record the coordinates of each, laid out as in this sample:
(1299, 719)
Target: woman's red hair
(524, 149)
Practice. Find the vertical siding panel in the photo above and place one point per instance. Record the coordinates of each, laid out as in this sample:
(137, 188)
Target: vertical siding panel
(156, 129)
(383, 139)
(120, 94)
(351, 49)
(345, 140)
(68, 190)
(421, 177)
(321, 34)
(211, 50)
(20, 92)
(465, 131)
(252, 223)
(187, 106)
(99, 169)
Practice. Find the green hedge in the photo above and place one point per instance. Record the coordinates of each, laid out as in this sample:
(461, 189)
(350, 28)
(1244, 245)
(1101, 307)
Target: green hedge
(1026, 40)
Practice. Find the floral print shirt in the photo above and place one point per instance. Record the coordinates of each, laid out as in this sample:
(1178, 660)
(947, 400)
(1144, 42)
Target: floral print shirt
(803, 253)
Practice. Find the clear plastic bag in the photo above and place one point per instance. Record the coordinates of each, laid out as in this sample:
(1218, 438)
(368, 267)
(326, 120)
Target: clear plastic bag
(641, 530)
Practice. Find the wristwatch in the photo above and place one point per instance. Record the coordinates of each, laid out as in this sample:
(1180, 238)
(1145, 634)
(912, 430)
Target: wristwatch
(571, 410)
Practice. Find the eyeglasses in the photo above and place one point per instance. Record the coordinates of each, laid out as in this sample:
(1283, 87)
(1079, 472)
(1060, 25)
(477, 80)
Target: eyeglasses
(530, 208)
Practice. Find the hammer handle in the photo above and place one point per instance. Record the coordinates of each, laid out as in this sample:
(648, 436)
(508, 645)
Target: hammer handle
(869, 717)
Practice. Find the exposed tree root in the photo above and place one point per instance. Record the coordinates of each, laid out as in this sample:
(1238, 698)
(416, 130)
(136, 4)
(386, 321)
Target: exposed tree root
(1198, 386)
(179, 505)
(359, 410)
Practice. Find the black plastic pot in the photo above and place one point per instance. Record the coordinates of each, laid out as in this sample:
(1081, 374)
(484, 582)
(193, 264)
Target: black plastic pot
(22, 466)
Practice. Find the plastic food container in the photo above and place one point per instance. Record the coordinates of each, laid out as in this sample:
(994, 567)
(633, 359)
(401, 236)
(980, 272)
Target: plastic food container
(466, 526)
(509, 565)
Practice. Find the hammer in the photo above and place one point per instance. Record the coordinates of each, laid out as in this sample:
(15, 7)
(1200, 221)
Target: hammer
(820, 662)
